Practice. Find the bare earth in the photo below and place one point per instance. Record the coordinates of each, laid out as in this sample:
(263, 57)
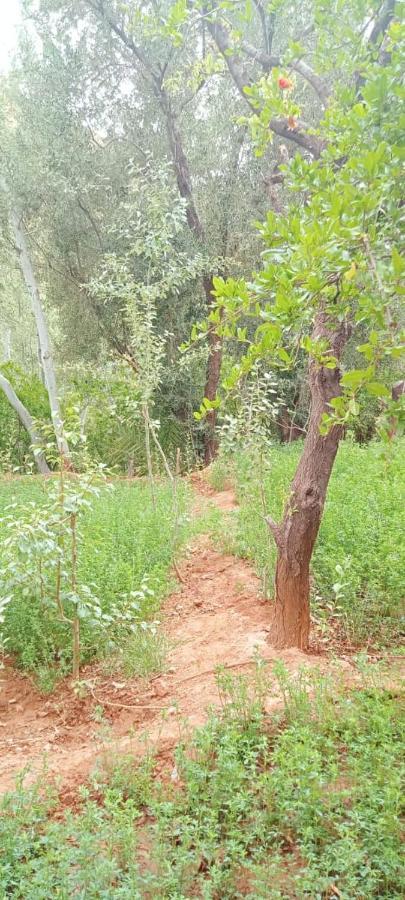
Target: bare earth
(216, 617)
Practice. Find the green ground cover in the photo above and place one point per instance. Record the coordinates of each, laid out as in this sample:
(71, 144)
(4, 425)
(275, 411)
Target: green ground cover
(303, 803)
(126, 547)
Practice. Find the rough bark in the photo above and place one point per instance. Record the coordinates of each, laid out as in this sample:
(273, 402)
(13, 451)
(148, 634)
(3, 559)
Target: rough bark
(27, 421)
(44, 344)
(295, 536)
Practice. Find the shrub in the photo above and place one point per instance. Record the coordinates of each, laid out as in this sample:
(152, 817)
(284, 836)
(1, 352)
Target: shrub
(124, 553)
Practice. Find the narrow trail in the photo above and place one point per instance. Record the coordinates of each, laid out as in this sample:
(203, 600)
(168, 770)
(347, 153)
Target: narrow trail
(215, 617)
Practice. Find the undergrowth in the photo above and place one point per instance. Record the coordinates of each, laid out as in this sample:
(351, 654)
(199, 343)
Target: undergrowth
(125, 554)
(299, 803)
(359, 557)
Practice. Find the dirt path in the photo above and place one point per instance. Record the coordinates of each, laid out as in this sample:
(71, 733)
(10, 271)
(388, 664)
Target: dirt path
(216, 617)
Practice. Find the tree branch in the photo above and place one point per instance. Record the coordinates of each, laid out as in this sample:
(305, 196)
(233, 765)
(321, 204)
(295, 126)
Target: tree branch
(267, 22)
(270, 62)
(298, 135)
(381, 24)
(276, 531)
(98, 7)
(91, 219)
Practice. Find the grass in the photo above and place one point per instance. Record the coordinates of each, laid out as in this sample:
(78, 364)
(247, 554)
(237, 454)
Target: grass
(359, 558)
(301, 803)
(126, 546)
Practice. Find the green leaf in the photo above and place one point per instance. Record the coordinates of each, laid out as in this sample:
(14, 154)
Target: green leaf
(377, 389)
(356, 377)
(398, 263)
(282, 353)
(353, 407)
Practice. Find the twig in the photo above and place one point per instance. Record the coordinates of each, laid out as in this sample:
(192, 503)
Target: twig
(127, 705)
(248, 662)
(373, 266)
(178, 573)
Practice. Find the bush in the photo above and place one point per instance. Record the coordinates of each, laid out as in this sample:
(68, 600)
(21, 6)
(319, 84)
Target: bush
(124, 556)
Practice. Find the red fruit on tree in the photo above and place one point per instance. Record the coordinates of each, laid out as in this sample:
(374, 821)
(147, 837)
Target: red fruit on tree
(284, 83)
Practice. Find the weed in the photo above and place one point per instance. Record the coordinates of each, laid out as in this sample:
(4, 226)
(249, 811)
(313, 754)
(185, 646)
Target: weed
(303, 803)
(219, 474)
(126, 551)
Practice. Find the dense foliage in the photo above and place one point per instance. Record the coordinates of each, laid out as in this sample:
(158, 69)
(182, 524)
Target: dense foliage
(139, 144)
(299, 803)
(201, 220)
(124, 549)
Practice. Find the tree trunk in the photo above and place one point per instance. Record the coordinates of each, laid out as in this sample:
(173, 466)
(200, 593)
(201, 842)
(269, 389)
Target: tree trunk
(183, 178)
(27, 422)
(42, 330)
(181, 168)
(289, 431)
(7, 344)
(296, 535)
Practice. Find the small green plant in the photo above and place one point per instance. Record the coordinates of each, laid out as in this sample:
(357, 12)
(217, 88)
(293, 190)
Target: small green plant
(41, 556)
(124, 555)
(219, 474)
(283, 805)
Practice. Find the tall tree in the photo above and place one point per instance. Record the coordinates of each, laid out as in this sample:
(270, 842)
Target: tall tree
(140, 33)
(332, 269)
(95, 103)
(168, 78)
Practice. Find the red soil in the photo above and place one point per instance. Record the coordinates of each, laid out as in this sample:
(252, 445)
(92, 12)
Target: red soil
(215, 618)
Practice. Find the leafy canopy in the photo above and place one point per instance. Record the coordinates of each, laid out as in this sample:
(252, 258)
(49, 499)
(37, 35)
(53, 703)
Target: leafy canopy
(335, 249)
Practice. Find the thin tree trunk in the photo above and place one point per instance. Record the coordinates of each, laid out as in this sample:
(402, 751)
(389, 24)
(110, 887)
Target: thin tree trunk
(145, 413)
(183, 178)
(288, 429)
(181, 170)
(295, 536)
(27, 421)
(214, 340)
(45, 350)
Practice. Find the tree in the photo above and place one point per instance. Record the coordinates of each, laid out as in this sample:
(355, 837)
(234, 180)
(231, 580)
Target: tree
(147, 276)
(28, 423)
(331, 270)
(45, 351)
(177, 95)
